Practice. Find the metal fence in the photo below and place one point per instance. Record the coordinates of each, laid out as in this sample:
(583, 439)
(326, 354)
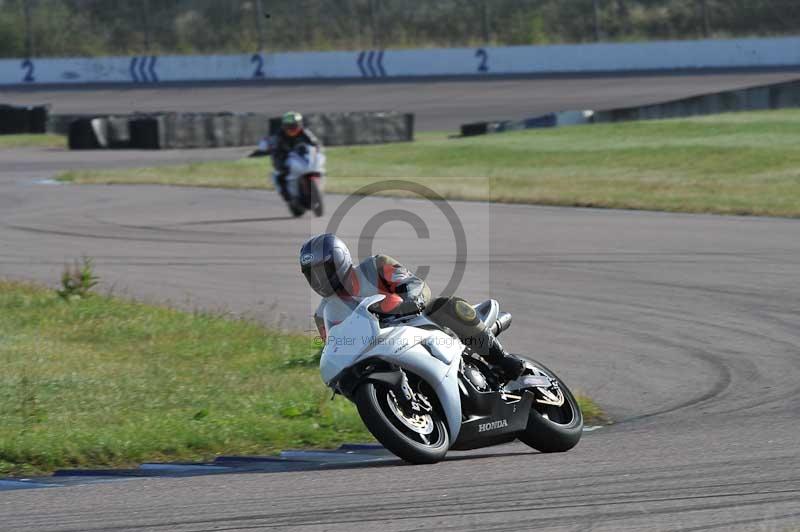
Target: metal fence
(50, 28)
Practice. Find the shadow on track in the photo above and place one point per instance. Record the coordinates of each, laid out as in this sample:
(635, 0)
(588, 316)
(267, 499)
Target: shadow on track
(300, 461)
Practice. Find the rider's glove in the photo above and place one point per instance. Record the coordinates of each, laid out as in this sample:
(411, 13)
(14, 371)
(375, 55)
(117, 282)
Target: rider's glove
(387, 305)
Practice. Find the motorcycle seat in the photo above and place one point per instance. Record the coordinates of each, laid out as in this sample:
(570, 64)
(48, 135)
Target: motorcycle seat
(487, 312)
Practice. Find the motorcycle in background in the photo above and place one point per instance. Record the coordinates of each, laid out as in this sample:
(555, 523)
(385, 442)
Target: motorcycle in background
(305, 181)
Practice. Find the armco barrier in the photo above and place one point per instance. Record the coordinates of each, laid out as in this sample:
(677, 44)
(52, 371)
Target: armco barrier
(564, 118)
(780, 52)
(775, 96)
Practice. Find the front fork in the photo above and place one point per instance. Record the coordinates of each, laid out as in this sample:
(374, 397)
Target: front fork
(411, 403)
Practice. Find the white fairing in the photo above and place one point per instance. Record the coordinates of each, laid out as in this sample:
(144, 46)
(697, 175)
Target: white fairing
(313, 162)
(431, 354)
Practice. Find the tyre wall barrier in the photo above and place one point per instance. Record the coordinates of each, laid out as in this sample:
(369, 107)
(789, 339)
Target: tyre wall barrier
(59, 124)
(780, 52)
(205, 130)
(95, 133)
(219, 130)
(776, 96)
(163, 131)
(99, 132)
(82, 136)
(16, 120)
(345, 129)
(146, 132)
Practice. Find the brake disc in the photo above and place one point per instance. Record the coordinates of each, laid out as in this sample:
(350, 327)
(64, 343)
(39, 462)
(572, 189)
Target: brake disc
(419, 423)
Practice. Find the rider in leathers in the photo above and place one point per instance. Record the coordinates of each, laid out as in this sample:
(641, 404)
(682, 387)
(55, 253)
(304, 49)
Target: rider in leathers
(325, 261)
(291, 135)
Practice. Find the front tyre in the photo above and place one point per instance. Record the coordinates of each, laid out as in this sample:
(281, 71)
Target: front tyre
(553, 428)
(315, 197)
(421, 438)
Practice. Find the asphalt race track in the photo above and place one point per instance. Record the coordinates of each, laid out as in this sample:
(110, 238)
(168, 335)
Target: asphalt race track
(684, 327)
(439, 105)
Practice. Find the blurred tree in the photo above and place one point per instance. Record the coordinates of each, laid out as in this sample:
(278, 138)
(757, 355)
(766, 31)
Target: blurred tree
(119, 27)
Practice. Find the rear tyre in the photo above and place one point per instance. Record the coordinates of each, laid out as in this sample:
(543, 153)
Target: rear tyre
(419, 439)
(553, 429)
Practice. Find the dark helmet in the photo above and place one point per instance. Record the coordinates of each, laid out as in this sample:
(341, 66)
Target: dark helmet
(326, 263)
(292, 123)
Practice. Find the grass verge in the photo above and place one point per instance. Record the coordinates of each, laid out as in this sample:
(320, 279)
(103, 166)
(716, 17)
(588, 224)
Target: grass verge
(32, 141)
(736, 163)
(103, 382)
(592, 413)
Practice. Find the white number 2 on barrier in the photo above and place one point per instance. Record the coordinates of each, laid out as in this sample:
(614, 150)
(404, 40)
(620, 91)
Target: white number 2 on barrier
(28, 67)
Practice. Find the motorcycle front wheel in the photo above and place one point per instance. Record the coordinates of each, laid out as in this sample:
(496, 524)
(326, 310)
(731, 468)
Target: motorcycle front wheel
(421, 438)
(315, 197)
(553, 428)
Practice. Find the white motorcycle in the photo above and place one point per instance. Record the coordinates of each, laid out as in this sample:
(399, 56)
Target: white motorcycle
(422, 392)
(306, 180)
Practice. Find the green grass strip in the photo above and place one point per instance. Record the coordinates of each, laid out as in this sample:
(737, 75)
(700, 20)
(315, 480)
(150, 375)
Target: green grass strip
(33, 141)
(736, 163)
(106, 382)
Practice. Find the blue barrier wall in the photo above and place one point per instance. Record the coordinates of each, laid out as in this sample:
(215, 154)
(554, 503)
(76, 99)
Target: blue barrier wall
(559, 59)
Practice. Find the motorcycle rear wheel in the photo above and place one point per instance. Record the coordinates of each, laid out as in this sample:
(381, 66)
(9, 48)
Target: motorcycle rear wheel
(553, 429)
(403, 437)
